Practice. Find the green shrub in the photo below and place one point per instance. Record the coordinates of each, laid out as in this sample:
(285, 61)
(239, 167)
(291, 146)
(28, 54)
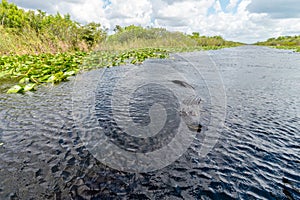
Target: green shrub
(56, 33)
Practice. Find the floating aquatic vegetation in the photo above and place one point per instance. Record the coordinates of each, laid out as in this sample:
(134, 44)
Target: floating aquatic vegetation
(31, 71)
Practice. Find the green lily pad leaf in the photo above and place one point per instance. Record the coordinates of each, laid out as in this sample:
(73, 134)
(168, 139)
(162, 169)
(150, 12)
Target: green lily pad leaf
(134, 61)
(44, 78)
(3, 74)
(51, 79)
(15, 89)
(24, 80)
(29, 87)
(70, 73)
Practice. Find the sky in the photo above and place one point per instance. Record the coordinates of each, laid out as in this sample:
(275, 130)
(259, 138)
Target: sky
(245, 21)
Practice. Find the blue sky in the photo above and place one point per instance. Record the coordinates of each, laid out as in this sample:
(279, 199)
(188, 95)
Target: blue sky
(224, 6)
(240, 20)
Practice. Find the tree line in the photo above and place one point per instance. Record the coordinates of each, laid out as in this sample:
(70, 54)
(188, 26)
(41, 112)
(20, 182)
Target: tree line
(289, 41)
(34, 32)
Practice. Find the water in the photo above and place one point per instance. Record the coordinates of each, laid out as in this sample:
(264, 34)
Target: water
(257, 155)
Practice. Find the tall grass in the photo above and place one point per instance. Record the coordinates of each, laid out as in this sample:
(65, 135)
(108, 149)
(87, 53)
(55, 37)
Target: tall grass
(39, 49)
(283, 42)
(138, 37)
(29, 32)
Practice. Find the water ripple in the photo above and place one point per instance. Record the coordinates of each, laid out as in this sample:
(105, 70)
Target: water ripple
(256, 157)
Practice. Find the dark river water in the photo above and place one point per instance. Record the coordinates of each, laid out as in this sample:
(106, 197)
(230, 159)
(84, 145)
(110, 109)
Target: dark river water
(48, 145)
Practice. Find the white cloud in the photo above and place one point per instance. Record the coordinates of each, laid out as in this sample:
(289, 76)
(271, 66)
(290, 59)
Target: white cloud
(276, 9)
(181, 15)
(217, 6)
(232, 4)
(242, 20)
(129, 12)
(84, 11)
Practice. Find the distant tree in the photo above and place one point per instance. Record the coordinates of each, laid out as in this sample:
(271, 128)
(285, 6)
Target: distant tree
(118, 28)
(195, 35)
(93, 34)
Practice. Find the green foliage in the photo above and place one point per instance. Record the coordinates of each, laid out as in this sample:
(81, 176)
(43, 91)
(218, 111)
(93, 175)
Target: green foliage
(282, 41)
(29, 32)
(29, 71)
(114, 58)
(195, 35)
(56, 33)
(132, 33)
(32, 70)
(139, 37)
(41, 49)
(213, 41)
(93, 34)
(11, 16)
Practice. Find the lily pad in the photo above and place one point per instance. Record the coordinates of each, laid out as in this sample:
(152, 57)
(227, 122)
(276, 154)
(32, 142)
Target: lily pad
(29, 87)
(15, 89)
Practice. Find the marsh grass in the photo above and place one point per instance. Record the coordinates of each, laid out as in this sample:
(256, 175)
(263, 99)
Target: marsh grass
(40, 49)
(135, 37)
(283, 42)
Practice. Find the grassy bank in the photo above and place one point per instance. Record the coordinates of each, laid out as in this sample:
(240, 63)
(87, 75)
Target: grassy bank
(283, 42)
(29, 32)
(40, 49)
(134, 37)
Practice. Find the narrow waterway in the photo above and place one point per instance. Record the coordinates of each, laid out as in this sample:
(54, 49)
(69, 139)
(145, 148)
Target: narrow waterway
(47, 148)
